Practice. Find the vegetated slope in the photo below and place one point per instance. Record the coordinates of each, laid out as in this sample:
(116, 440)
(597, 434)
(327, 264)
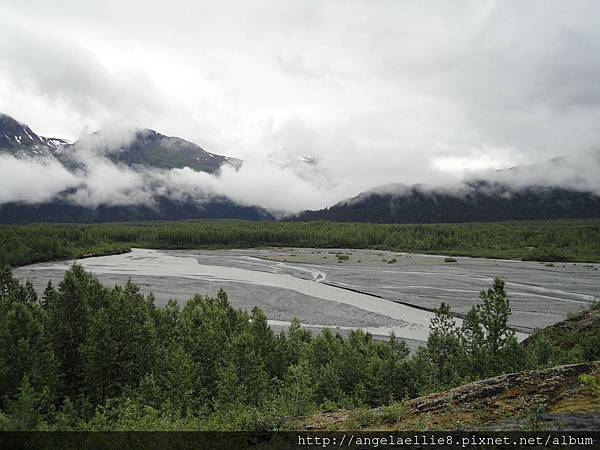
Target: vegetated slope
(554, 398)
(566, 396)
(59, 211)
(579, 334)
(207, 366)
(479, 201)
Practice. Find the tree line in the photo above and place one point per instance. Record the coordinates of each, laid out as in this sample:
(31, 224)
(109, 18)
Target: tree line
(568, 240)
(83, 356)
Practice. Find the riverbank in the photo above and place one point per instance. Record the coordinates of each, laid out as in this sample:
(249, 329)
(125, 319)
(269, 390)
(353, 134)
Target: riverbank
(550, 241)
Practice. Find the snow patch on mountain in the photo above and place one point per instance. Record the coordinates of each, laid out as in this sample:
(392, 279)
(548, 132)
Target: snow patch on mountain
(305, 165)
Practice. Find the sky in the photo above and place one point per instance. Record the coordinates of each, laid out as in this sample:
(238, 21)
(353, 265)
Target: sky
(377, 92)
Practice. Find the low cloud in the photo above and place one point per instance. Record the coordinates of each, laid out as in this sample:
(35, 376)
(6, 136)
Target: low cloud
(389, 92)
(392, 92)
(579, 174)
(33, 181)
(92, 179)
(104, 183)
(284, 183)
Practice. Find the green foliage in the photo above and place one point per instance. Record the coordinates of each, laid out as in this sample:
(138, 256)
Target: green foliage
(444, 348)
(472, 340)
(361, 417)
(559, 240)
(24, 412)
(483, 346)
(535, 416)
(119, 347)
(591, 383)
(298, 391)
(499, 341)
(394, 412)
(88, 357)
(342, 257)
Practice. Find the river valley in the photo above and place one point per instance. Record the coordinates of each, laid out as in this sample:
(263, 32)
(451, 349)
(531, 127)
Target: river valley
(342, 289)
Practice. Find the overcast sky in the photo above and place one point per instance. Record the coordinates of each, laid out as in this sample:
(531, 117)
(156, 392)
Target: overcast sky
(379, 91)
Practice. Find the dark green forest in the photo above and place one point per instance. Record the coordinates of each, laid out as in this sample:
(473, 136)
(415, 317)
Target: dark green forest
(88, 357)
(477, 201)
(564, 240)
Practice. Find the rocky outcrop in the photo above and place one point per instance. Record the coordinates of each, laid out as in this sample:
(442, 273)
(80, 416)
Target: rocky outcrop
(553, 398)
(525, 388)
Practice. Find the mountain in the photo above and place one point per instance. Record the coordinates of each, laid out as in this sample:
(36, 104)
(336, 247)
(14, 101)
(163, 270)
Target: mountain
(148, 148)
(148, 154)
(137, 149)
(19, 140)
(61, 211)
(475, 201)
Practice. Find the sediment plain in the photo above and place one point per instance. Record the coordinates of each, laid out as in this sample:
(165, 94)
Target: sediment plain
(375, 290)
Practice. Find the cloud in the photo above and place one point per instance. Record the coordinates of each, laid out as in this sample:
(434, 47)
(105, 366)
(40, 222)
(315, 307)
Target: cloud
(53, 67)
(93, 180)
(260, 182)
(32, 181)
(578, 174)
(104, 183)
(388, 92)
(256, 183)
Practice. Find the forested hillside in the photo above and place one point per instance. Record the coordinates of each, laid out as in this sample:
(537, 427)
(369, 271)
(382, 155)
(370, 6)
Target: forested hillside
(479, 201)
(568, 240)
(89, 357)
(59, 211)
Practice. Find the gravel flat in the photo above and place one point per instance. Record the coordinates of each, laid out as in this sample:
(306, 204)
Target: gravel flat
(541, 294)
(370, 290)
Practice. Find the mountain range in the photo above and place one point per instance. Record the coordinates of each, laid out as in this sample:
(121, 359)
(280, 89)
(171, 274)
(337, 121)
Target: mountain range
(475, 201)
(144, 151)
(141, 149)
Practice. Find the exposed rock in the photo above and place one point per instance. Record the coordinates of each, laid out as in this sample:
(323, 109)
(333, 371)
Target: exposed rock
(553, 398)
(519, 390)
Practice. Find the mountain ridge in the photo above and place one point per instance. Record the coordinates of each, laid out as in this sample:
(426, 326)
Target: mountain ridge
(133, 148)
(139, 149)
(19, 140)
(149, 148)
(474, 201)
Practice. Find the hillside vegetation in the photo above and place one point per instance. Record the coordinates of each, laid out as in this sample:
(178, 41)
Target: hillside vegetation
(559, 397)
(474, 201)
(88, 357)
(568, 240)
